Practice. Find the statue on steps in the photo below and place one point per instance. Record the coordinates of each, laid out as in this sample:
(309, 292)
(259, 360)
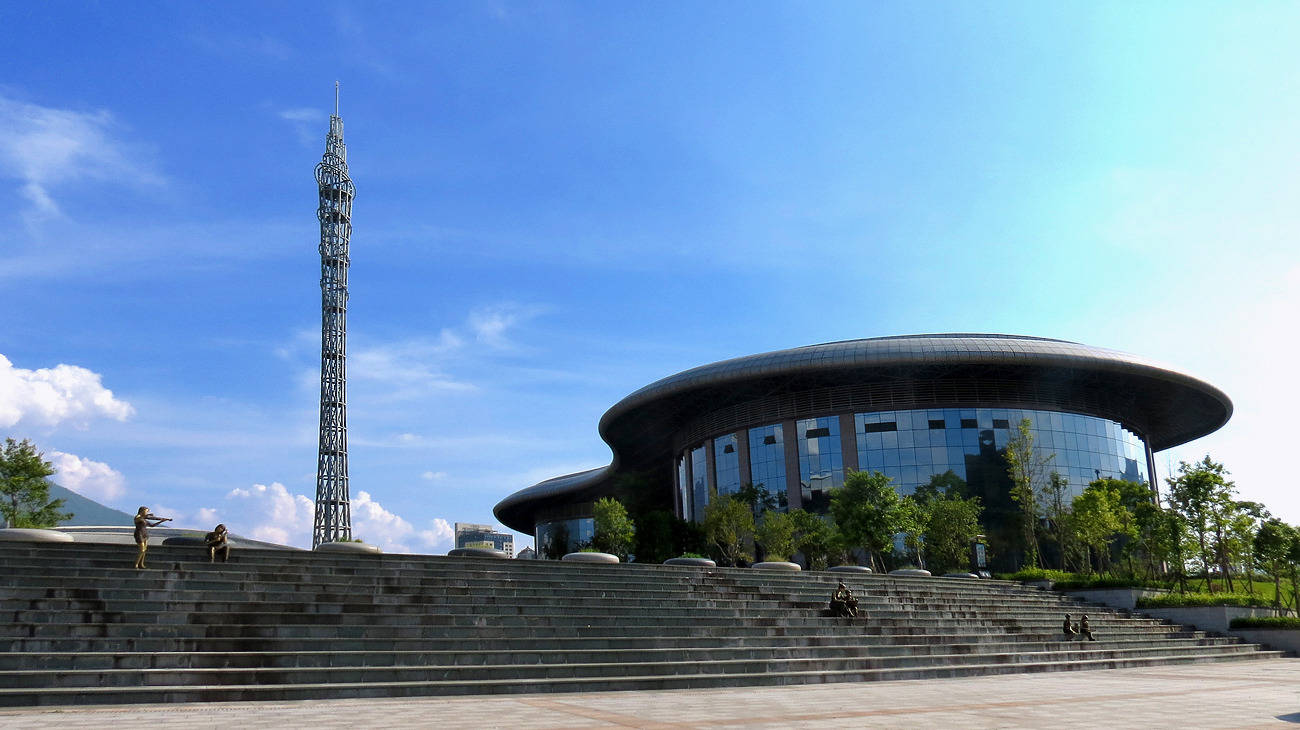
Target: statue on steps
(218, 542)
(843, 603)
(143, 521)
(1068, 629)
(1085, 629)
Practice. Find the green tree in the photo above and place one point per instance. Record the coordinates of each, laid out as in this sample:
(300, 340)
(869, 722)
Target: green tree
(776, 533)
(954, 523)
(23, 489)
(817, 539)
(867, 512)
(614, 530)
(1202, 495)
(1026, 466)
(1272, 543)
(758, 498)
(1095, 517)
(1055, 503)
(913, 522)
(728, 527)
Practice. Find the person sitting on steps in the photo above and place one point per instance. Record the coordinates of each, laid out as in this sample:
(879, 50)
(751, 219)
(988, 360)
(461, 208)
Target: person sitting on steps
(218, 542)
(843, 603)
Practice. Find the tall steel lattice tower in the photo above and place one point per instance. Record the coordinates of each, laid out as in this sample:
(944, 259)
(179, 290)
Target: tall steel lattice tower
(333, 510)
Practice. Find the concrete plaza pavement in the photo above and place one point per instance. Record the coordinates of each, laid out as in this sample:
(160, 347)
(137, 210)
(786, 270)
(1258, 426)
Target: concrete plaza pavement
(1248, 694)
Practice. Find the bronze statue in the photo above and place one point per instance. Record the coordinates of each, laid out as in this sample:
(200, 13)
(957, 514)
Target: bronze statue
(843, 603)
(1085, 629)
(218, 542)
(1068, 629)
(143, 521)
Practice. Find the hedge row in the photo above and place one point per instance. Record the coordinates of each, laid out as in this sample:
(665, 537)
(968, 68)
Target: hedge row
(1186, 600)
(1266, 622)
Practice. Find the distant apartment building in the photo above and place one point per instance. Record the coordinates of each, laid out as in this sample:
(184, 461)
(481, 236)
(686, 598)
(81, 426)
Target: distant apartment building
(483, 536)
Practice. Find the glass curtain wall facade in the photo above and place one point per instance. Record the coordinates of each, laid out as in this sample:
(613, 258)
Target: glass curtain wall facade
(726, 457)
(912, 446)
(821, 461)
(767, 461)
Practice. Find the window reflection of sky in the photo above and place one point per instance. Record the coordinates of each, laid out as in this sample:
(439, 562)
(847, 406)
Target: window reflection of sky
(767, 458)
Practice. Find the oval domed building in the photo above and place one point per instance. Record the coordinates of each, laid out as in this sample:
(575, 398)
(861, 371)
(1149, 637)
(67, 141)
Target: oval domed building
(912, 407)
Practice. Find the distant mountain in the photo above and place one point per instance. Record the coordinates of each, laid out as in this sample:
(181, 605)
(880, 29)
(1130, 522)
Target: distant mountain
(87, 511)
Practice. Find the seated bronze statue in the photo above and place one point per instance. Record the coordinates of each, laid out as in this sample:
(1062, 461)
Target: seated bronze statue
(843, 603)
(218, 542)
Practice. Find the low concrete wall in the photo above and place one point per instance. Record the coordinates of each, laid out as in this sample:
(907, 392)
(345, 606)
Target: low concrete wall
(1287, 640)
(1117, 597)
(1206, 618)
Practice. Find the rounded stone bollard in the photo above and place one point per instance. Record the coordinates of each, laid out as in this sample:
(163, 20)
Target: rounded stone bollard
(32, 534)
(851, 569)
(348, 547)
(913, 572)
(604, 558)
(776, 565)
(697, 562)
(476, 553)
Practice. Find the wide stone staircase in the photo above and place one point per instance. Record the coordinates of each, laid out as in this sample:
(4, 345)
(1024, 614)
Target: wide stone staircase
(79, 625)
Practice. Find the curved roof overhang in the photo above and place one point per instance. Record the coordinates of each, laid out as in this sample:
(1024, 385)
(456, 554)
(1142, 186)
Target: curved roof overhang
(1167, 407)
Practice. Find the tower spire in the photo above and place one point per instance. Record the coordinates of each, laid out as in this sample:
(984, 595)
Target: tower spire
(333, 522)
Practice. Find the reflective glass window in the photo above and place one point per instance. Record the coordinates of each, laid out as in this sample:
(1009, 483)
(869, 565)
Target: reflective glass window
(821, 462)
(767, 460)
(726, 459)
(684, 489)
(699, 481)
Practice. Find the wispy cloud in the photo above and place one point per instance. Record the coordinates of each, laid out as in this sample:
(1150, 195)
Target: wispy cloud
(45, 147)
(48, 397)
(491, 324)
(308, 124)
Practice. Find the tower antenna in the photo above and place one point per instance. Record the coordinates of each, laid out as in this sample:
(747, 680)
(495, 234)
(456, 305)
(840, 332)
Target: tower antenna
(336, 98)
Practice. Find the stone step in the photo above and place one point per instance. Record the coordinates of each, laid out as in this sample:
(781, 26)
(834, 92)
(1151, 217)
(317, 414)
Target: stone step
(139, 694)
(316, 658)
(1075, 652)
(533, 642)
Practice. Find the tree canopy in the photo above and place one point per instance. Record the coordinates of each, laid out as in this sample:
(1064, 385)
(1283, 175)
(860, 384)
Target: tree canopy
(868, 512)
(24, 493)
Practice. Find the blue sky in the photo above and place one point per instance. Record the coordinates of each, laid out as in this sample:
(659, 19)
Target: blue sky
(561, 202)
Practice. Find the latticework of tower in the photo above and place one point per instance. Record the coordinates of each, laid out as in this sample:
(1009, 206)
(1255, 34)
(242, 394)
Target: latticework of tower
(333, 521)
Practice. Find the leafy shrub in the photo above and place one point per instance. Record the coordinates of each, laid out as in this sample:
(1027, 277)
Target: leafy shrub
(1188, 600)
(1266, 622)
(1039, 574)
(1098, 583)
(692, 555)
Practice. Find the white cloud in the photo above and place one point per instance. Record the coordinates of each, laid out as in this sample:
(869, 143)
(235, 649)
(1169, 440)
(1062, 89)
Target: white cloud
(272, 513)
(50, 396)
(434, 476)
(439, 536)
(275, 514)
(93, 479)
(44, 147)
(377, 526)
